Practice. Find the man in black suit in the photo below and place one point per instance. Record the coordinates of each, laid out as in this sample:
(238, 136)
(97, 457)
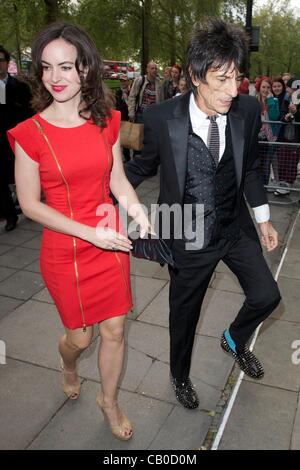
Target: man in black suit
(206, 143)
(15, 99)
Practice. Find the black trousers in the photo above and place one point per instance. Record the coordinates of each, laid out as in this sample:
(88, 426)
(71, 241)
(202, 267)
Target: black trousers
(188, 285)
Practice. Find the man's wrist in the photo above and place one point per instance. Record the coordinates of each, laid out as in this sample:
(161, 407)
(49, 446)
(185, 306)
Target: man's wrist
(262, 213)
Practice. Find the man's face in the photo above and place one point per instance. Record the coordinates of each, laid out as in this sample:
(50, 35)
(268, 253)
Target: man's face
(152, 70)
(124, 84)
(216, 95)
(3, 66)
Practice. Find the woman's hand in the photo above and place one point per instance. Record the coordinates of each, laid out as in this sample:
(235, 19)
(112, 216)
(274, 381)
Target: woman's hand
(144, 224)
(108, 239)
(292, 108)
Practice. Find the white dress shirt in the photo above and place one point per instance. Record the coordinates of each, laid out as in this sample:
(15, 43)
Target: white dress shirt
(200, 125)
(3, 90)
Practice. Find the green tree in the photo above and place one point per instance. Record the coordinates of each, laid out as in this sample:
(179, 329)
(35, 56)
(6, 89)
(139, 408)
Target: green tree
(20, 20)
(279, 40)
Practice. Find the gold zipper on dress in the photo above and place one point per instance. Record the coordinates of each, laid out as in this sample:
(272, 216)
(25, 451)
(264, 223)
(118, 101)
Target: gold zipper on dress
(71, 216)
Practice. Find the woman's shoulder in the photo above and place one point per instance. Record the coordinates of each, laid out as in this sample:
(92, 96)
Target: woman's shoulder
(26, 126)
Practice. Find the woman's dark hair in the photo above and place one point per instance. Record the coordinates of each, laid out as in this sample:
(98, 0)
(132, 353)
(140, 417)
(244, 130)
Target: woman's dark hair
(6, 53)
(212, 45)
(95, 97)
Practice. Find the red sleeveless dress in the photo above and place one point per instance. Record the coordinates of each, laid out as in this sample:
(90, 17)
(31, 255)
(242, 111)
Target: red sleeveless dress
(88, 284)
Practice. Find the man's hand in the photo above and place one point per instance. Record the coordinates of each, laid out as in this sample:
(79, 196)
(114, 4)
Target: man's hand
(269, 235)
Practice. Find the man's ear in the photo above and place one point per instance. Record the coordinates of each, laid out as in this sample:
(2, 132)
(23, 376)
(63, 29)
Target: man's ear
(195, 81)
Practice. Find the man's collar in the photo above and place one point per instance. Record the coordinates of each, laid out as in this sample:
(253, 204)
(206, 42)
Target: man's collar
(199, 114)
(194, 108)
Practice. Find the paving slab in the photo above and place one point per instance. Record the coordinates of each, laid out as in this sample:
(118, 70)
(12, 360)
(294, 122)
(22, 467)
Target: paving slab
(222, 268)
(16, 237)
(291, 265)
(218, 311)
(150, 339)
(8, 305)
(274, 348)
(34, 267)
(143, 292)
(289, 307)
(29, 399)
(31, 333)
(226, 282)
(27, 224)
(295, 444)
(19, 257)
(183, 430)
(209, 363)
(295, 242)
(81, 425)
(136, 366)
(156, 384)
(281, 214)
(262, 419)
(157, 312)
(5, 248)
(43, 296)
(21, 285)
(162, 273)
(143, 267)
(34, 243)
(6, 272)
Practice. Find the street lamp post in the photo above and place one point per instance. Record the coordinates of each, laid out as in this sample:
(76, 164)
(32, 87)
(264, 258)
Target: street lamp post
(249, 29)
(143, 65)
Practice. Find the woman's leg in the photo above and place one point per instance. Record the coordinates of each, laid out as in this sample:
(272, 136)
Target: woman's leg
(71, 345)
(111, 358)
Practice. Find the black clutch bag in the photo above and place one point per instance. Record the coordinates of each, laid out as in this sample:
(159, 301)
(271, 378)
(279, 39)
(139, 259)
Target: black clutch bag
(153, 249)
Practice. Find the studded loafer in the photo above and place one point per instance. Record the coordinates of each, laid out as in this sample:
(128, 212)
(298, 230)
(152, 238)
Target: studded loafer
(185, 393)
(247, 361)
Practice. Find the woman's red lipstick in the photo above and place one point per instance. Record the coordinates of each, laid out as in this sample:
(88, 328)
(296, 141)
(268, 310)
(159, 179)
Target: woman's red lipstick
(58, 88)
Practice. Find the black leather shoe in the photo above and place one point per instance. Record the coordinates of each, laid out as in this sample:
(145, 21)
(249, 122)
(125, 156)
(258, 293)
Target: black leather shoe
(247, 361)
(11, 223)
(185, 393)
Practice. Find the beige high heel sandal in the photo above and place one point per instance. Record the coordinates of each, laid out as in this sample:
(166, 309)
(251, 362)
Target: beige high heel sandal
(71, 391)
(118, 430)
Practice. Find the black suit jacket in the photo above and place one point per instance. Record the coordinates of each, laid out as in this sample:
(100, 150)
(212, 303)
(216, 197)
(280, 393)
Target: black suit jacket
(16, 109)
(166, 143)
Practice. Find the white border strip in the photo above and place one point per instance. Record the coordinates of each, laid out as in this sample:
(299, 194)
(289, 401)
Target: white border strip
(221, 429)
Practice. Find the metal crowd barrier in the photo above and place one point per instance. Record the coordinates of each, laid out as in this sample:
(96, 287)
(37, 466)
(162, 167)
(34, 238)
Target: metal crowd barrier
(279, 165)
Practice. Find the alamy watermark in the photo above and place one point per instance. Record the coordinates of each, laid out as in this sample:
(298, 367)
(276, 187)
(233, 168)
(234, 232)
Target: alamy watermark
(2, 352)
(177, 221)
(296, 354)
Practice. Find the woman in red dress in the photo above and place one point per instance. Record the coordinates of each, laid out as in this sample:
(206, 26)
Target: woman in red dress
(71, 150)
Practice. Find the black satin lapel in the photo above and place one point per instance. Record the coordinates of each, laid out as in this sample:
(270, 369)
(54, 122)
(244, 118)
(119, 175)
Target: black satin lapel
(237, 135)
(178, 132)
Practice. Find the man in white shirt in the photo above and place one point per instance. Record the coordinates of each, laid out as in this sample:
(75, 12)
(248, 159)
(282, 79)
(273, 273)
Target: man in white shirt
(15, 107)
(206, 142)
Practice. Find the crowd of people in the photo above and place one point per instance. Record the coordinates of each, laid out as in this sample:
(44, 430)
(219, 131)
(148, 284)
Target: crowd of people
(278, 165)
(278, 101)
(203, 135)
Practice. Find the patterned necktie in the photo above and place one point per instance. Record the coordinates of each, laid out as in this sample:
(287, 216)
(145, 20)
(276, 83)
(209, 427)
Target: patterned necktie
(214, 138)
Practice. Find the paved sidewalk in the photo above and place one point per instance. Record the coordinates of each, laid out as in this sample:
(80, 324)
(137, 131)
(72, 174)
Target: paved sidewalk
(36, 415)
